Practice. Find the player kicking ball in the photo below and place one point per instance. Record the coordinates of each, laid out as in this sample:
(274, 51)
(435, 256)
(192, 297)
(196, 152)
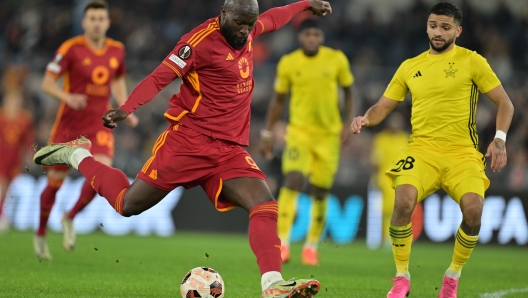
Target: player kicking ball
(208, 124)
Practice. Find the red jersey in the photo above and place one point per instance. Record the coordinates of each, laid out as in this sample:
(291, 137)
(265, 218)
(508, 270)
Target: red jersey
(86, 71)
(16, 137)
(215, 96)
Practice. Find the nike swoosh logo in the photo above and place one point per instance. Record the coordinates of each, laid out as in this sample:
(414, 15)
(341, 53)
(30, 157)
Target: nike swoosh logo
(39, 159)
(293, 284)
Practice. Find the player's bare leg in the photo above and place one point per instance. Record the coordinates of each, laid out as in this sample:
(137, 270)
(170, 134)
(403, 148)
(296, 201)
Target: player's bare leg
(287, 200)
(471, 205)
(4, 221)
(401, 236)
(254, 196)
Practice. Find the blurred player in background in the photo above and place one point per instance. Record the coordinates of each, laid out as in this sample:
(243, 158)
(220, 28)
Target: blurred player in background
(209, 122)
(16, 133)
(92, 67)
(384, 147)
(313, 75)
(443, 148)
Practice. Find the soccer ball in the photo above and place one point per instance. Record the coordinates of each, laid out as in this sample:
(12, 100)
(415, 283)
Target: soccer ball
(202, 282)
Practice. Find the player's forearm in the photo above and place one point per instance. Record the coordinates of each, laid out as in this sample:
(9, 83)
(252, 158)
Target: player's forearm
(148, 88)
(348, 105)
(504, 115)
(118, 87)
(376, 114)
(275, 109)
(50, 87)
(277, 17)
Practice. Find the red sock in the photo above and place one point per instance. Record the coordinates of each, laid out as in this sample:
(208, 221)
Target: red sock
(87, 195)
(47, 199)
(263, 237)
(108, 182)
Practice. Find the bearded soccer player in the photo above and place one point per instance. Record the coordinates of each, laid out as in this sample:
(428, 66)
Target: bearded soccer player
(91, 66)
(443, 148)
(209, 122)
(315, 130)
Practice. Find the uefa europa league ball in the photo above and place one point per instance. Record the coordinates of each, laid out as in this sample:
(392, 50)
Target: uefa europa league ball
(202, 282)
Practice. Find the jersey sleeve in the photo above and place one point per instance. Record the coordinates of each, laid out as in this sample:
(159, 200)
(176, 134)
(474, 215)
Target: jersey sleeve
(182, 58)
(275, 18)
(482, 74)
(282, 80)
(61, 61)
(345, 76)
(397, 88)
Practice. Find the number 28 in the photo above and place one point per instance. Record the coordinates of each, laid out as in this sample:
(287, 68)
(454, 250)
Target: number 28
(405, 164)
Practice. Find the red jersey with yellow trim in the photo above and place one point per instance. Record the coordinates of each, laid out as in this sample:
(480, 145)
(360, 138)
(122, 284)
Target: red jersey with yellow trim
(215, 96)
(16, 137)
(86, 71)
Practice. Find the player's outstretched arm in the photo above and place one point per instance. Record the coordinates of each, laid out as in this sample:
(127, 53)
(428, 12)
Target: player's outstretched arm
(497, 148)
(275, 18)
(119, 90)
(374, 114)
(51, 87)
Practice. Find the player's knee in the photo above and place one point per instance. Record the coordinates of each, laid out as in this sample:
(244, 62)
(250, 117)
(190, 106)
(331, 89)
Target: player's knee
(472, 205)
(294, 181)
(319, 194)
(404, 205)
(131, 208)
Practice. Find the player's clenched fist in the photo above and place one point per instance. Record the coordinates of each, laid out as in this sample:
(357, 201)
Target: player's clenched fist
(358, 123)
(319, 7)
(112, 116)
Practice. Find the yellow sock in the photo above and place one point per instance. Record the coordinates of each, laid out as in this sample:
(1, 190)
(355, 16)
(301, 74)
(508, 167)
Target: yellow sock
(401, 237)
(464, 245)
(287, 202)
(318, 221)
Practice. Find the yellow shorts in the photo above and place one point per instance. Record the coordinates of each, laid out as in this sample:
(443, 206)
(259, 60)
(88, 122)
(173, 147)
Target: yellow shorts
(457, 171)
(316, 155)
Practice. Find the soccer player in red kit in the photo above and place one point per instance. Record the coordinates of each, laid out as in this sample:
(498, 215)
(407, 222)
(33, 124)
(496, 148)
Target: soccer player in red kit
(209, 122)
(92, 67)
(16, 133)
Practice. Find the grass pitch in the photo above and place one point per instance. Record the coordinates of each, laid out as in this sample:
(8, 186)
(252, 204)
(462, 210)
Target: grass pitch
(133, 266)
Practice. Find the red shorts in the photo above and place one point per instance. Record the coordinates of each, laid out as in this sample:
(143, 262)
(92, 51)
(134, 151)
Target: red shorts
(102, 143)
(184, 157)
(9, 168)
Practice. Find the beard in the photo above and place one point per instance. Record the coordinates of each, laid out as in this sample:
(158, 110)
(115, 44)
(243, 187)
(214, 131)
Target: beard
(231, 38)
(440, 49)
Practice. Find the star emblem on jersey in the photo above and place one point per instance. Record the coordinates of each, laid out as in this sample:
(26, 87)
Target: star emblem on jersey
(418, 74)
(185, 52)
(451, 71)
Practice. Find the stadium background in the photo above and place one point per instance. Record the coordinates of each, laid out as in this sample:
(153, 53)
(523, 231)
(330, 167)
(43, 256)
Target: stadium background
(375, 35)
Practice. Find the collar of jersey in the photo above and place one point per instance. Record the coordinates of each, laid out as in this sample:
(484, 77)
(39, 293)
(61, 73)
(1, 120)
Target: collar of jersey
(443, 55)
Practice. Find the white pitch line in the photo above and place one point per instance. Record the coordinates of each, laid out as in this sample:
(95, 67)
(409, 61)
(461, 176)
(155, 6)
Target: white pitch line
(500, 294)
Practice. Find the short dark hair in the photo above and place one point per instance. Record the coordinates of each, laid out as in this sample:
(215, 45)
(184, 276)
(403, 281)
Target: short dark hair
(309, 23)
(96, 4)
(447, 9)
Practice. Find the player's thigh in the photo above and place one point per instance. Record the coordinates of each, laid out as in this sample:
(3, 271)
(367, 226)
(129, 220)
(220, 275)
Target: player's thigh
(327, 150)
(418, 168)
(141, 196)
(296, 156)
(465, 174)
(246, 192)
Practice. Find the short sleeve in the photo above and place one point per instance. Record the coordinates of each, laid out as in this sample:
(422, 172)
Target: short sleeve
(482, 74)
(344, 75)
(61, 61)
(397, 88)
(181, 59)
(282, 80)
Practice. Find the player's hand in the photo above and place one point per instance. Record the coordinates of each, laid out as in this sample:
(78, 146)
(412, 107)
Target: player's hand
(320, 8)
(497, 152)
(76, 101)
(358, 123)
(112, 116)
(132, 120)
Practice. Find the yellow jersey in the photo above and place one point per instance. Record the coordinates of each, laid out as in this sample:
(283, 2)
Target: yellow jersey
(444, 91)
(313, 85)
